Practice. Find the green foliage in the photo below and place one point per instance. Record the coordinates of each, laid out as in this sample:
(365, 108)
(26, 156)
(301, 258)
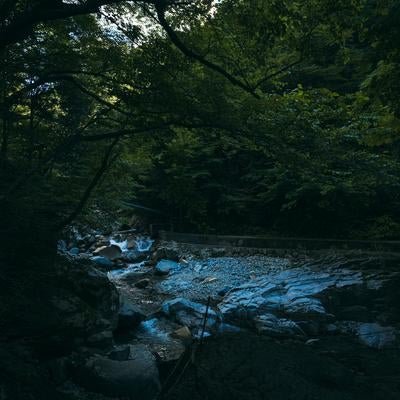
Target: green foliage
(280, 116)
(300, 165)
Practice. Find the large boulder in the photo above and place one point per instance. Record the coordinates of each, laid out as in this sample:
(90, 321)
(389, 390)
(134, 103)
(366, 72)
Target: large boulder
(191, 314)
(307, 300)
(377, 336)
(160, 335)
(271, 325)
(102, 262)
(371, 334)
(130, 372)
(23, 377)
(133, 256)
(296, 293)
(112, 251)
(166, 253)
(130, 315)
(164, 267)
(64, 307)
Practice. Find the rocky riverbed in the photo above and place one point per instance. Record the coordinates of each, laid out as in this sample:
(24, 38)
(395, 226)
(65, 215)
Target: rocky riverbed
(133, 311)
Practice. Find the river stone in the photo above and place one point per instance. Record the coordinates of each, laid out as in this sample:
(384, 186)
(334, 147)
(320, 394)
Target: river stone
(355, 313)
(222, 292)
(377, 336)
(73, 301)
(62, 246)
(296, 294)
(74, 251)
(182, 333)
(133, 256)
(157, 333)
(167, 253)
(131, 243)
(142, 283)
(103, 262)
(191, 314)
(129, 315)
(164, 267)
(119, 353)
(112, 252)
(136, 377)
(87, 301)
(102, 339)
(59, 369)
(271, 325)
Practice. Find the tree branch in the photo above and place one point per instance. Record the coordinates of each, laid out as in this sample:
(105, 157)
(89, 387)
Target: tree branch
(22, 25)
(276, 73)
(87, 193)
(160, 9)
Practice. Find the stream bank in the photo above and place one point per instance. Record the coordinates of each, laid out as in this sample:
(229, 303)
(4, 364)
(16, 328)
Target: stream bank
(278, 325)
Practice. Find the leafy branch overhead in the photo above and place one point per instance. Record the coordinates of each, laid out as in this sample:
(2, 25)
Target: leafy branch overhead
(267, 116)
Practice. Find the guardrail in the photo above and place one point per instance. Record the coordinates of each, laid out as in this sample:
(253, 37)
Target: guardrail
(281, 242)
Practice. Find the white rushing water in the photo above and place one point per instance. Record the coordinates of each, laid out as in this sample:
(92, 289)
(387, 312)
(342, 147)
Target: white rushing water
(143, 244)
(122, 245)
(120, 273)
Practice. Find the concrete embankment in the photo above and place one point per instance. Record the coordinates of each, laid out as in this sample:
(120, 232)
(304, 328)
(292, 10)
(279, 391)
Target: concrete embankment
(269, 242)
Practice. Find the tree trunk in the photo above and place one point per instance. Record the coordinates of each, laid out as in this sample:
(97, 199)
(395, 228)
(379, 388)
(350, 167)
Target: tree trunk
(4, 140)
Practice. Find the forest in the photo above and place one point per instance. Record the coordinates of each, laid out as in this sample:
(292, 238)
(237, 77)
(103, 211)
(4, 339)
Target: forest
(230, 117)
(264, 117)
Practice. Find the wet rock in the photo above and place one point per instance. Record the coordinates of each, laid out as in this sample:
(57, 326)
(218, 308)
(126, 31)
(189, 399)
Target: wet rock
(129, 315)
(102, 262)
(157, 334)
(191, 314)
(311, 342)
(59, 369)
(136, 377)
(130, 274)
(133, 256)
(164, 267)
(218, 252)
(120, 353)
(112, 252)
(224, 291)
(62, 246)
(271, 325)
(296, 294)
(166, 253)
(370, 334)
(355, 313)
(377, 336)
(331, 329)
(125, 227)
(142, 283)
(131, 243)
(71, 302)
(102, 339)
(74, 251)
(22, 377)
(209, 279)
(86, 302)
(191, 281)
(182, 333)
(227, 328)
(310, 327)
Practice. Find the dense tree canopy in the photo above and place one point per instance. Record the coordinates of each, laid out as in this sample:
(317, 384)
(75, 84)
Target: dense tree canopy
(228, 116)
